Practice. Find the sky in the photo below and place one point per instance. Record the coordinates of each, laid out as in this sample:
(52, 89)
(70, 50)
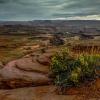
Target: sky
(27, 10)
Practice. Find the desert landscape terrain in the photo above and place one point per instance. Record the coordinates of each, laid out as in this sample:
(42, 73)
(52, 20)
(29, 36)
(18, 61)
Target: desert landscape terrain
(27, 71)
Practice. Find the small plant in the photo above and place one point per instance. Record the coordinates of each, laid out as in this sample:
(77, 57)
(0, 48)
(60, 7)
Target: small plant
(56, 40)
(88, 65)
(43, 50)
(69, 71)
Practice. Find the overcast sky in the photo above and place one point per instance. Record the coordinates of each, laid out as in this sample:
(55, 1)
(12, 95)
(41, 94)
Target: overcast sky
(49, 9)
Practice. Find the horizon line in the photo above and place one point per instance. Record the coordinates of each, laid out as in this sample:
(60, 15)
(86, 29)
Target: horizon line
(49, 20)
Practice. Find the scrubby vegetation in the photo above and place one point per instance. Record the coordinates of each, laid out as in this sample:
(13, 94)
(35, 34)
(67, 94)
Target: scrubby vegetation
(56, 40)
(69, 71)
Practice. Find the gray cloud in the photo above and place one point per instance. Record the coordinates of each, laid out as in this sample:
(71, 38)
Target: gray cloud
(48, 9)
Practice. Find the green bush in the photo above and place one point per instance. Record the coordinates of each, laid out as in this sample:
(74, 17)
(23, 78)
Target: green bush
(69, 71)
(88, 66)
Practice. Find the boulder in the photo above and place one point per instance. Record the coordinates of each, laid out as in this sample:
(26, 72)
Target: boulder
(23, 72)
(44, 59)
(30, 64)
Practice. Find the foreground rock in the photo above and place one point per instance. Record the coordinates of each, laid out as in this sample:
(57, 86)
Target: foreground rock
(45, 93)
(30, 64)
(23, 72)
(37, 93)
(45, 59)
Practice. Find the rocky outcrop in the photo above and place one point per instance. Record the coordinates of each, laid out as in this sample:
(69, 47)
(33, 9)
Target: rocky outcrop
(27, 79)
(24, 72)
(45, 59)
(48, 93)
(30, 64)
(33, 93)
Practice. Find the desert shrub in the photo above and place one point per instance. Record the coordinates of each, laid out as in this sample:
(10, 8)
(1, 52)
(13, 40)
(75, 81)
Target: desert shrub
(88, 65)
(43, 50)
(69, 71)
(56, 41)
